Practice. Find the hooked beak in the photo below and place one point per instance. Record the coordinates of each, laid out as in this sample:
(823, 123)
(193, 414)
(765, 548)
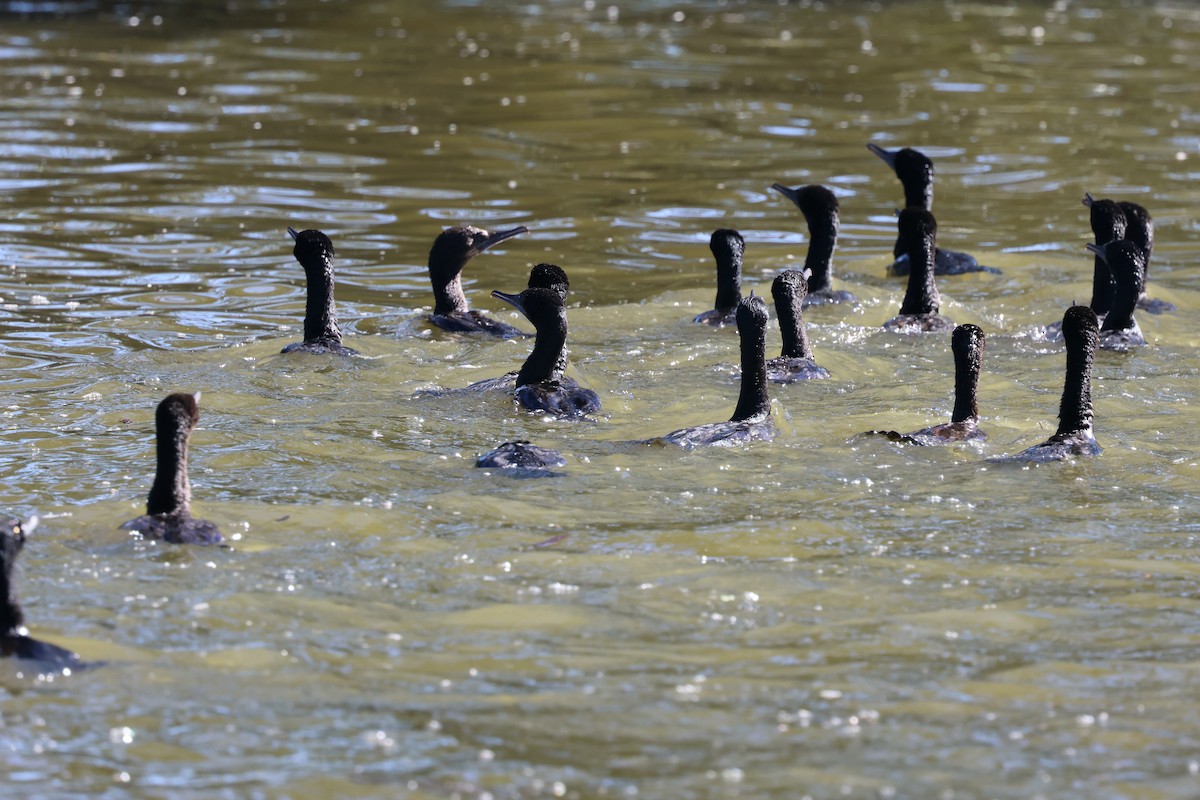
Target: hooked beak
(790, 194)
(1088, 199)
(292, 233)
(888, 156)
(1097, 250)
(513, 300)
(496, 238)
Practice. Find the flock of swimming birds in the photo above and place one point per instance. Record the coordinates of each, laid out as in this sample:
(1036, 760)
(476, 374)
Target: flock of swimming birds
(1124, 239)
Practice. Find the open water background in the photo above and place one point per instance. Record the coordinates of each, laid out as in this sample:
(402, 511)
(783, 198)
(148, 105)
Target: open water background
(819, 617)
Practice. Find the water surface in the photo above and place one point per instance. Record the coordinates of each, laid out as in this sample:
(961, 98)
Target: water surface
(823, 616)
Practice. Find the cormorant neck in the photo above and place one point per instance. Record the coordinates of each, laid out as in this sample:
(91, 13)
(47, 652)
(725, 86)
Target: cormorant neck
(921, 297)
(547, 359)
(729, 275)
(788, 306)
(448, 296)
(753, 400)
(918, 191)
(822, 239)
(1129, 284)
(11, 616)
(320, 320)
(729, 283)
(1075, 410)
(1108, 223)
(1139, 228)
(1103, 286)
(967, 362)
(171, 492)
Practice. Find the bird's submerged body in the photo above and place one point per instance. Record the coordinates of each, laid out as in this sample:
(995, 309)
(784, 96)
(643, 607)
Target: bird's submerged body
(521, 454)
(175, 528)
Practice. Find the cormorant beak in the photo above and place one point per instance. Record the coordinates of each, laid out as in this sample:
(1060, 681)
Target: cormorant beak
(1088, 199)
(1098, 250)
(888, 156)
(513, 300)
(790, 194)
(496, 238)
(292, 233)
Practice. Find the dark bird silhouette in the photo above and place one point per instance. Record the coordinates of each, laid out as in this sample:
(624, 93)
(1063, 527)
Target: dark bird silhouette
(451, 251)
(796, 362)
(15, 641)
(522, 457)
(314, 251)
(751, 419)
(540, 384)
(967, 344)
(1108, 223)
(169, 507)
(727, 247)
(1074, 437)
(915, 172)
(1140, 231)
(550, 276)
(820, 209)
(919, 311)
(1126, 260)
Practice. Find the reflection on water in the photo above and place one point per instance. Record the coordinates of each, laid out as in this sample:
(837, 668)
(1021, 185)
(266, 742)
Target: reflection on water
(823, 616)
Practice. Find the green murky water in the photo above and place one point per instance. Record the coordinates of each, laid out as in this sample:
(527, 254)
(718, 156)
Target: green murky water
(819, 617)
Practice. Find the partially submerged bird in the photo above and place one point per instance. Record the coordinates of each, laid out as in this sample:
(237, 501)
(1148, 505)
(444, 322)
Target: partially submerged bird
(451, 251)
(314, 251)
(919, 310)
(820, 209)
(169, 506)
(727, 247)
(1140, 231)
(1074, 437)
(967, 344)
(796, 362)
(915, 172)
(550, 276)
(540, 383)
(15, 641)
(1108, 223)
(1126, 260)
(522, 457)
(751, 420)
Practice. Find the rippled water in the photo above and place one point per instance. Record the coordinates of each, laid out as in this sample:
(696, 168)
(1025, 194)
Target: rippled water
(822, 616)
